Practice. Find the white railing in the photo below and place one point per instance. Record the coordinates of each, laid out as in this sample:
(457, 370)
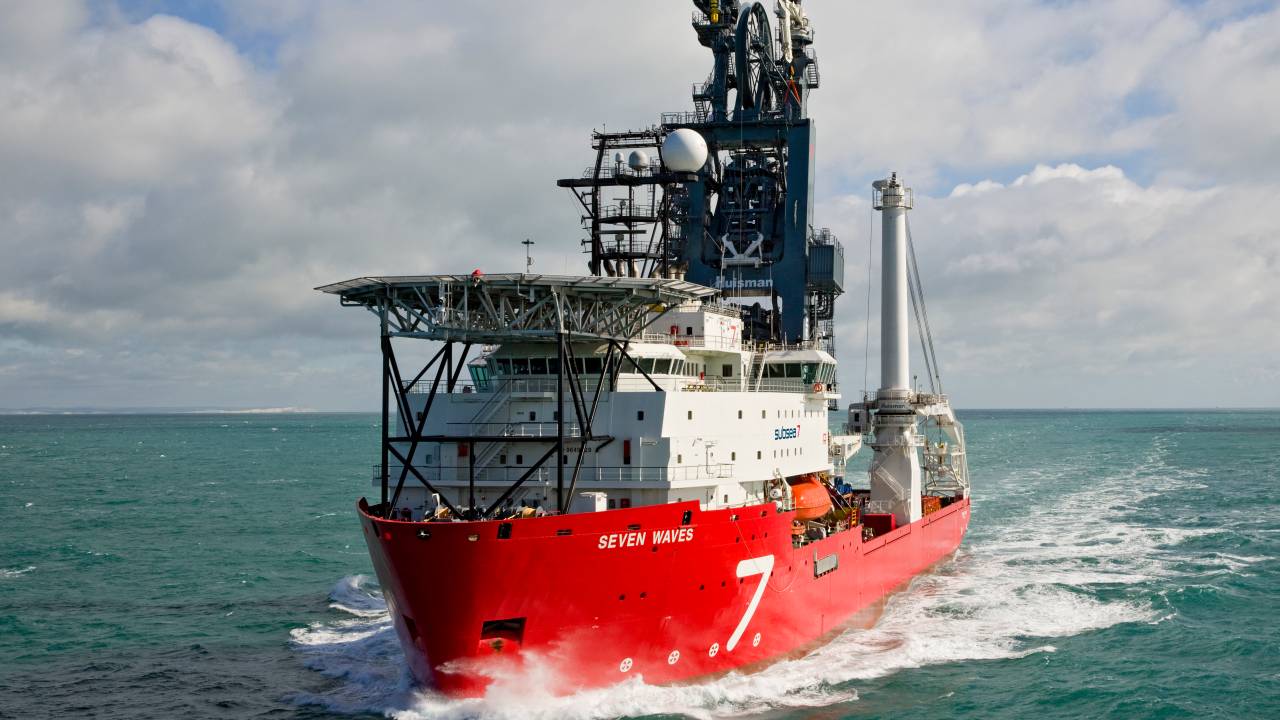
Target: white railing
(880, 507)
(620, 474)
(708, 342)
(514, 429)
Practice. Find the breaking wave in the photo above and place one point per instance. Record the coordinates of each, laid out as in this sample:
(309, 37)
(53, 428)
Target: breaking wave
(1026, 574)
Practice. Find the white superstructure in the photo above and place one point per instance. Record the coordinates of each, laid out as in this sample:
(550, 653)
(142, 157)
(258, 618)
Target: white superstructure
(698, 416)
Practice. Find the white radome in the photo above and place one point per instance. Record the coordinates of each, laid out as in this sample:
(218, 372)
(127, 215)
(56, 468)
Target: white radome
(684, 150)
(638, 160)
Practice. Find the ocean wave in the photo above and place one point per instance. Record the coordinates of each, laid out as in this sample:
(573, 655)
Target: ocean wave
(1006, 593)
(7, 573)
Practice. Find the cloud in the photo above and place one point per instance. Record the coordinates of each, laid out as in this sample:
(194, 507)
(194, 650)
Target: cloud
(170, 193)
(1085, 279)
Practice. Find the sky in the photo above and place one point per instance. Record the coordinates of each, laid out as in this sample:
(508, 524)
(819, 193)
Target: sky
(1097, 184)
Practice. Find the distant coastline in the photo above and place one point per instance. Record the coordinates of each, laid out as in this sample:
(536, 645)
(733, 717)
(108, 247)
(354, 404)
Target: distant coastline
(159, 411)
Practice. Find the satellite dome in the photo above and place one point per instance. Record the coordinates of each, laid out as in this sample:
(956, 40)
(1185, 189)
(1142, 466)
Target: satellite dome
(638, 160)
(617, 158)
(684, 150)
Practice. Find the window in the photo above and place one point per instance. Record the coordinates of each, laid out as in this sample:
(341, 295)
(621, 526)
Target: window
(555, 414)
(662, 367)
(726, 370)
(502, 459)
(639, 414)
(613, 503)
(758, 455)
(761, 414)
(537, 366)
(690, 414)
(688, 330)
(626, 452)
(533, 415)
(519, 459)
(733, 456)
(679, 459)
(726, 499)
(739, 414)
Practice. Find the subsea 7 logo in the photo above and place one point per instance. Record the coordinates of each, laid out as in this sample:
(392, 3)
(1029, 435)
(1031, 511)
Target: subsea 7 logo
(761, 566)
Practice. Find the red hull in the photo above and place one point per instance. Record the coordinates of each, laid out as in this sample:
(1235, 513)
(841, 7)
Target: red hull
(607, 595)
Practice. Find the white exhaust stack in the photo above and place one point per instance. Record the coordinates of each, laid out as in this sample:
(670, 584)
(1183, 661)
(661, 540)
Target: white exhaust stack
(895, 470)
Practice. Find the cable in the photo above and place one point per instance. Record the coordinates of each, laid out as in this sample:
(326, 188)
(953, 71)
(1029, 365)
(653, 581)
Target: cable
(932, 359)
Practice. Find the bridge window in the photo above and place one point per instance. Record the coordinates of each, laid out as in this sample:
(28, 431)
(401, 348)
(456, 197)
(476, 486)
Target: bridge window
(662, 367)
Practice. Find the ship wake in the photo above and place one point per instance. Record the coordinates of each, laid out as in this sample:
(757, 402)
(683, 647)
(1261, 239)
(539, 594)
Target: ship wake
(1022, 579)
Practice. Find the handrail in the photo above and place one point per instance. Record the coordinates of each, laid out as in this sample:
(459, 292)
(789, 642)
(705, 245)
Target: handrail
(609, 473)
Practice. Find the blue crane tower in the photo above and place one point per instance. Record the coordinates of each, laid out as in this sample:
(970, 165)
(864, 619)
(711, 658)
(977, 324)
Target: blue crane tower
(742, 223)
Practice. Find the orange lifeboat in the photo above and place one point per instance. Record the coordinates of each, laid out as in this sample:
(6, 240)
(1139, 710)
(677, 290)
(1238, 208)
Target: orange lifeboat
(809, 496)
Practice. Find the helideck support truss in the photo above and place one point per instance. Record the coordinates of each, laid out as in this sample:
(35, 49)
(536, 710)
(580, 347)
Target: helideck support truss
(465, 310)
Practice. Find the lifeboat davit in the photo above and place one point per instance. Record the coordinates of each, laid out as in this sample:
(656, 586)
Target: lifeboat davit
(809, 496)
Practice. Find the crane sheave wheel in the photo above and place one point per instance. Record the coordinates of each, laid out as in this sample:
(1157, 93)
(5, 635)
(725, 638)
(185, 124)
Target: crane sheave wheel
(756, 62)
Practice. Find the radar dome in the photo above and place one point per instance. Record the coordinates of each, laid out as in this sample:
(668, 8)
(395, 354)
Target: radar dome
(684, 150)
(638, 160)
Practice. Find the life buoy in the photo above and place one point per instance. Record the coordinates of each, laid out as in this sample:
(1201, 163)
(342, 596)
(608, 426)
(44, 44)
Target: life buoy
(817, 387)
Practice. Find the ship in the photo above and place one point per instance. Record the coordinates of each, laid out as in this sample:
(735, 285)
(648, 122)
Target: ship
(633, 472)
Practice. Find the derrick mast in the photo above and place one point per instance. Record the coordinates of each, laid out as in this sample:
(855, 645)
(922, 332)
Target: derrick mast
(742, 222)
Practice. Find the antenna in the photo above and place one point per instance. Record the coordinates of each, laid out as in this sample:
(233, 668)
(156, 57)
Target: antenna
(528, 259)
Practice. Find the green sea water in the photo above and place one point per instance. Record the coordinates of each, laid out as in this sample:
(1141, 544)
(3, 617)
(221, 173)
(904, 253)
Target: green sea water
(1119, 565)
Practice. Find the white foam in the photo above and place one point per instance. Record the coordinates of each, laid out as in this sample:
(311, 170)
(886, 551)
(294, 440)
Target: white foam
(1010, 588)
(7, 573)
(358, 595)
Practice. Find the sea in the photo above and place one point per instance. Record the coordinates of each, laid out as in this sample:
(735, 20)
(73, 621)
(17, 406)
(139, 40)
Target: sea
(1120, 564)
